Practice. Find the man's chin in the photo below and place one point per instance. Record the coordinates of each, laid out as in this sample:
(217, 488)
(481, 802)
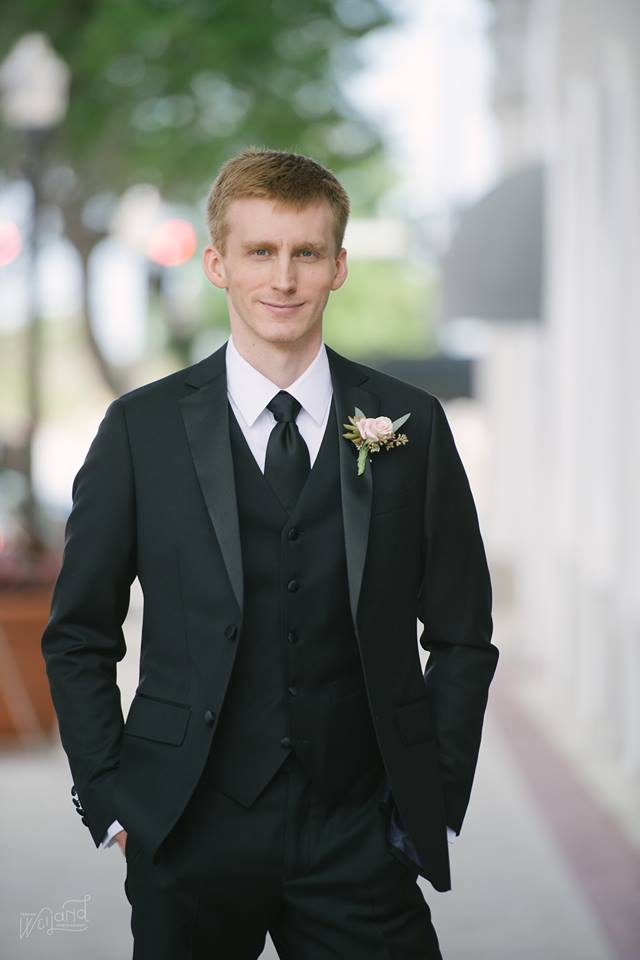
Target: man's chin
(284, 333)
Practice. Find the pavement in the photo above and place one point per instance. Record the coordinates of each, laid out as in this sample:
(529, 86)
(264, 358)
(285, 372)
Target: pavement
(540, 871)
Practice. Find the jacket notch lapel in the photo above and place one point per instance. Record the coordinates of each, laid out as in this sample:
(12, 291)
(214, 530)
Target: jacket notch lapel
(206, 418)
(356, 491)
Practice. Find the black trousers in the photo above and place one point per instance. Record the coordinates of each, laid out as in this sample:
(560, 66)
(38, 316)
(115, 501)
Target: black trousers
(323, 881)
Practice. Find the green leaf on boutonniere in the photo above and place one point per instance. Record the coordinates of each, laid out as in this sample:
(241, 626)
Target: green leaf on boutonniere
(398, 423)
(359, 412)
(362, 457)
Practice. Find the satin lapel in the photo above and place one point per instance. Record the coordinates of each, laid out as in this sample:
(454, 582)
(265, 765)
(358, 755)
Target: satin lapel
(205, 412)
(357, 492)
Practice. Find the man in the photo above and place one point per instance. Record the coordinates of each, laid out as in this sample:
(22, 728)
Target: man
(285, 766)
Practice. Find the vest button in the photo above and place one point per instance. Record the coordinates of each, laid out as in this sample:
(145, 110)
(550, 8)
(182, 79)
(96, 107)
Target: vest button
(292, 637)
(285, 742)
(293, 533)
(292, 586)
(230, 631)
(294, 691)
(209, 717)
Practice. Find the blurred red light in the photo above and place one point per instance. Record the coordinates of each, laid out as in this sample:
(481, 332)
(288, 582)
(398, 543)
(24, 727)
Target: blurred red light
(172, 242)
(10, 242)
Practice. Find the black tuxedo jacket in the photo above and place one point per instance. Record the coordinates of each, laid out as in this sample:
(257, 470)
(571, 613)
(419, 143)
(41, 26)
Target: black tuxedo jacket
(155, 498)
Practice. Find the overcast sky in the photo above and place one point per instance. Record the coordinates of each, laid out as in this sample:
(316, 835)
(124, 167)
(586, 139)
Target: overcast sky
(427, 83)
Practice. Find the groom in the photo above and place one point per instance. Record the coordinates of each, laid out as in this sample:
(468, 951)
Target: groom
(285, 765)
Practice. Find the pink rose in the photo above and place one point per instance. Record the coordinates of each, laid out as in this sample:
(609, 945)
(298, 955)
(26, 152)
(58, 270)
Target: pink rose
(375, 428)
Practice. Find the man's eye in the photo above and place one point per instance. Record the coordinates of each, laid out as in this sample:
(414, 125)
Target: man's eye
(261, 251)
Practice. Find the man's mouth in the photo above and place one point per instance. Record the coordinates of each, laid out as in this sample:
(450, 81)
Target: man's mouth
(283, 308)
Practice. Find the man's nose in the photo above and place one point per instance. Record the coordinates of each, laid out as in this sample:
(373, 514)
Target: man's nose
(283, 276)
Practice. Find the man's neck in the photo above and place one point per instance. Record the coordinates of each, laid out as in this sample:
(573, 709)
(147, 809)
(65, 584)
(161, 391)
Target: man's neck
(282, 363)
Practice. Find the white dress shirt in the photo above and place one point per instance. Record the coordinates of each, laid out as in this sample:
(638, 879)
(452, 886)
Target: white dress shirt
(249, 392)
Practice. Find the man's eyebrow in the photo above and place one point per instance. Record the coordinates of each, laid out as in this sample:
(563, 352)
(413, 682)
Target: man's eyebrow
(304, 245)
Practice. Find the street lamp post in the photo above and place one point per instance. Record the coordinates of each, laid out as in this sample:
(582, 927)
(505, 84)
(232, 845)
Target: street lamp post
(34, 84)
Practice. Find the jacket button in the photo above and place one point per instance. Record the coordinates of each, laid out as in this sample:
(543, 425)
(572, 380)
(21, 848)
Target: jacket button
(294, 691)
(292, 637)
(84, 820)
(285, 742)
(292, 586)
(293, 533)
(209, 717)
(230, 631)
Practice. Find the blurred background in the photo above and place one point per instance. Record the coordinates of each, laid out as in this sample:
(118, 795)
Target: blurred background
(492, 153)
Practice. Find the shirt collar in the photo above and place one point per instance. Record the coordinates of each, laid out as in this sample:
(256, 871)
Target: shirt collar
(251, 391)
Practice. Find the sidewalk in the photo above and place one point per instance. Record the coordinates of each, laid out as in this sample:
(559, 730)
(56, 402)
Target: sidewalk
(517, 894)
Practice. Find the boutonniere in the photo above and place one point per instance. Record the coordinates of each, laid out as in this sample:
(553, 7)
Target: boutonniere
(371, 434)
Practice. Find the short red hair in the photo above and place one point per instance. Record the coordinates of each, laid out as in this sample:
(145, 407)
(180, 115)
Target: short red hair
(290, 179)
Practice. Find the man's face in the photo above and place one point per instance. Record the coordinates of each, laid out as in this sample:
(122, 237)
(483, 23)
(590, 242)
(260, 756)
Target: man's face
(279, 266)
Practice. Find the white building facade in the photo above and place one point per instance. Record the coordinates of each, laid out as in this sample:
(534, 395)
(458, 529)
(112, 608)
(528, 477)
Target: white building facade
(563, 391)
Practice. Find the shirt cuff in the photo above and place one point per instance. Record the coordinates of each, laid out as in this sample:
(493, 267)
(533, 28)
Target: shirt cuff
(109, 838)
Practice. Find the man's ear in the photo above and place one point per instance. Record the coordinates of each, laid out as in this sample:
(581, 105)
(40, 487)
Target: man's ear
(213, 266)
(341, 269)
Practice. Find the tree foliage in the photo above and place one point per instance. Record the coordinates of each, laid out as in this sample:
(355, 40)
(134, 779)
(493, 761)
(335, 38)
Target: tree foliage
(163, 91)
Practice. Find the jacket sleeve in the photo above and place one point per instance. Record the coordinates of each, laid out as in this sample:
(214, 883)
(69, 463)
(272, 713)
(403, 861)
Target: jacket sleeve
(83, 640)
(454, 604)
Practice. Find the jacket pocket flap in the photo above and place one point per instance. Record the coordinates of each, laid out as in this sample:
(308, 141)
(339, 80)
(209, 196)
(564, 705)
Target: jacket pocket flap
(415, 721)
(157, 719)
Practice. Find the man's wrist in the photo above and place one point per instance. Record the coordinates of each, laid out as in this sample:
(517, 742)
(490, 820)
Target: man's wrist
(109, 838)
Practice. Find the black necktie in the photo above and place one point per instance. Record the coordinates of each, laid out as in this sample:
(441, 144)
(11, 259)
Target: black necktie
(287, 462)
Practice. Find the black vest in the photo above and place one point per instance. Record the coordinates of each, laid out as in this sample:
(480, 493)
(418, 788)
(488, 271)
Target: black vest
(297, 681)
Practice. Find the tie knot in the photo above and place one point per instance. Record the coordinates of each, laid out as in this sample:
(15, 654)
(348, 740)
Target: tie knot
(284, 407)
